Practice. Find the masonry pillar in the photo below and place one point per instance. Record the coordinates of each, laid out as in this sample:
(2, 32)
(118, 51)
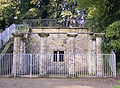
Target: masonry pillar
(99, 55)
(18, 55)
(92, 56)
(43, 52)
(71, 53)
(23, 63)
(15, 56)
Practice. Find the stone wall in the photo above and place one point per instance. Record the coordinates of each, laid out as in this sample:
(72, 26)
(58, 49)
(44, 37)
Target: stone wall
(61, 42)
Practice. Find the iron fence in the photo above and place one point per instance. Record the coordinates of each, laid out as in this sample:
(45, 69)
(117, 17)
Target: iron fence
(51, 23)
(77, 65)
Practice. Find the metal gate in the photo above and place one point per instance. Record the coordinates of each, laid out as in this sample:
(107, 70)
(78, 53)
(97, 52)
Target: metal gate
(76, 65)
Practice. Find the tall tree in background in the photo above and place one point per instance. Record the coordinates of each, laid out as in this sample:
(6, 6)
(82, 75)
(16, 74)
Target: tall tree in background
(34, 9)
(7, 13)
(100, 13)
(67, 9)
(22, 9)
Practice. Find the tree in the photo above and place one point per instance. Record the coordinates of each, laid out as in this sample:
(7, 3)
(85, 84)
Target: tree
(22, 9)
(100, 13)
(7, 13)
(66, 9)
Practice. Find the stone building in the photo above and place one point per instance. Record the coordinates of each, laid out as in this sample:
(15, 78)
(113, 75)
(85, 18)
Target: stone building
(58, 50)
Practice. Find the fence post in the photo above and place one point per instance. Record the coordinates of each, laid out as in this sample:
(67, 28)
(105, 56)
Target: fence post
(0, 41)
(14, 65)
(8, 34)
(30, 65)
(94, 57)
(114, 57)
(0, 64)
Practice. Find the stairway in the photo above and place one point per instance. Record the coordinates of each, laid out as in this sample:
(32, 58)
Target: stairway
(8, 47)
(6, 39)
(6, 35)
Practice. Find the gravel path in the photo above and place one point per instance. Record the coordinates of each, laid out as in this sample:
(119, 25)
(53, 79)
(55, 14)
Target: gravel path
(57, 83)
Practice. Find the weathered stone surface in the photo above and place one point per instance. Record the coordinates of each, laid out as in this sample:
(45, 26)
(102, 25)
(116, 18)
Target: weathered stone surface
(34, 44)
(92, 56)
(71, 53)
(18, 59)
(43, 54)
(99, 56)
(16, 50)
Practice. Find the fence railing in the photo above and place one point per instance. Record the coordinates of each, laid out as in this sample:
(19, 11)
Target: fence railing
(62, 23)
(77, 65)
(6, 34)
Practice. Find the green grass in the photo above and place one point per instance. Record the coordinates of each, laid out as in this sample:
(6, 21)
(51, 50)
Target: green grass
(118, 80)
(116, 86)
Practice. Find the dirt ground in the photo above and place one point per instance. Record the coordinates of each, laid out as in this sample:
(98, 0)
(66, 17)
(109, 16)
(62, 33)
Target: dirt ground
(57, 83)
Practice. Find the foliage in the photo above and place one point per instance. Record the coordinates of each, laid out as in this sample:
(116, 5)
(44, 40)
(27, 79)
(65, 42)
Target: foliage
(118, 86)
(118, 67)
(22, 9)
(100, 13)
(6, 13)
(112, 37)
(66, 9)
(32, 13)
(39, 9)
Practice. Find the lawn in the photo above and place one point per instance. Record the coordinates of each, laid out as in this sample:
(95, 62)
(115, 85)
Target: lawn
(118, 80)
(118, 86)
